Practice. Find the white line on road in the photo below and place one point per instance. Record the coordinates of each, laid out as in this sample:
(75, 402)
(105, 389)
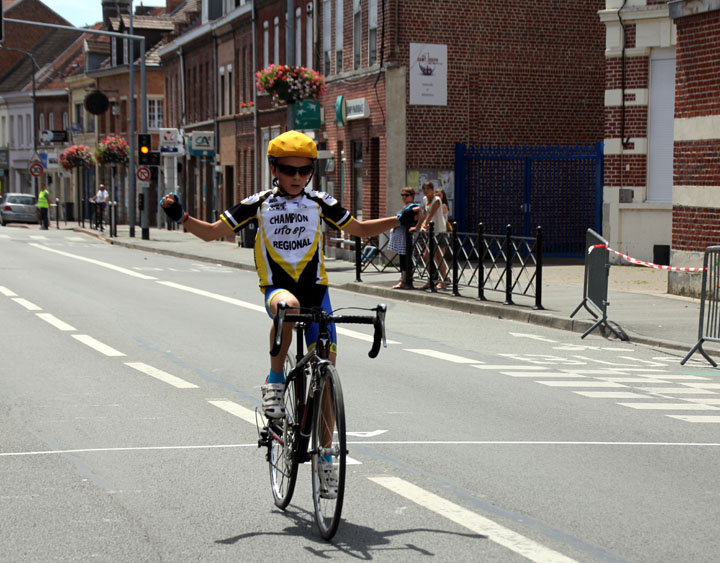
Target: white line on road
(472, 521)
(54, 321)
(670, 406)
(531, 336)
(234, 409)
(580, 383)
(678, 391)
(97, 345)
(697, 418)
(161, 375)
(702, 385)
(443, 356)
(27, 304)
(7, 292)
(128, 449)
(632, 380)
(498, 367)
(610, 394)
(38, 237)
(358, 335)
(543, 374)
(216, 296)
(96, 262)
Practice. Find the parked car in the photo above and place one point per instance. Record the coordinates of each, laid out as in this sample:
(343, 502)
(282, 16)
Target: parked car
(18, 208)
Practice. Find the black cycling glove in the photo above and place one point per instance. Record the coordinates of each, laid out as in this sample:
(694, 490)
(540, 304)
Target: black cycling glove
(174, 211)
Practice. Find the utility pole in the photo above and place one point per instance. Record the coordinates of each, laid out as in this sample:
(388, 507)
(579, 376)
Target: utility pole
(290, 54)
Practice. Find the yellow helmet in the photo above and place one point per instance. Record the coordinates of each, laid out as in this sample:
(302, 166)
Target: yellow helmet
(292, 143)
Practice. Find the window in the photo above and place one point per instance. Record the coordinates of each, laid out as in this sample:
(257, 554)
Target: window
(65, 121)
(276, 40)
(266, 45)
(327, 37)
(21, 131)
(51, 121)
(29, 129)
(155, 114)
(221, 87)
(229, 90)
(11, 131)
(338, 36)
(298, 37)
(357, 34)
(79, 115)
(41, 122)
(372, 31)
(309, 35)
(661, 112)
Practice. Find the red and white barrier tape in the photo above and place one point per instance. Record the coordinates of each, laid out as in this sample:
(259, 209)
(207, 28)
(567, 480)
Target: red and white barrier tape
(648, 264)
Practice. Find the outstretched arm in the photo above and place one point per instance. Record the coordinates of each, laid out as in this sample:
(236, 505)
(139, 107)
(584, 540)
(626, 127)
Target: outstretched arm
(201, 229)
(372, 227)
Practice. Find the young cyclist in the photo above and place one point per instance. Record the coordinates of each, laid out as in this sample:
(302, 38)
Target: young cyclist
(288, 247)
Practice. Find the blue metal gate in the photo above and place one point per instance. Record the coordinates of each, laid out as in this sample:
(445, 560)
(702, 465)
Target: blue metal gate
(558, 188)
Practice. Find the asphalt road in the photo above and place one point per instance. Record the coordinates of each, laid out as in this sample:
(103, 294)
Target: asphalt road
(128, 382)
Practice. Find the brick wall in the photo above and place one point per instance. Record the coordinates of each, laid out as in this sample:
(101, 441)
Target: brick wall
(695, 228)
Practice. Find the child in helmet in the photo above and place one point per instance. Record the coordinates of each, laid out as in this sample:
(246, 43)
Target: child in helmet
(288, 243)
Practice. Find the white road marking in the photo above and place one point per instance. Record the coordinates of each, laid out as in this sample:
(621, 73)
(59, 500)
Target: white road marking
(531, 336)
(7, 292)
(234, 409)
(675, 377)
(128, 449)
(96, 262)
(27, 304)
(97, 345)
(216, 296)
(631, 380)
(544, 374)
(54, 321)
(371, 434)
(161, 375)
(580, 383)
(670, 406)
(702, 385)
(358, 335)
(641, 361)
(78, 239)
(678, 391)
(442, 356)
(472, 521)
(610, 394)
(4, 236)
(696, 418)
(498, 367)
(606, 371)
(703, 400)
(38, 237)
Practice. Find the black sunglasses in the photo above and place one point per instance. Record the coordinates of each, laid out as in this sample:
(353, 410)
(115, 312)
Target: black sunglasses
(406, 195)
(292, 170)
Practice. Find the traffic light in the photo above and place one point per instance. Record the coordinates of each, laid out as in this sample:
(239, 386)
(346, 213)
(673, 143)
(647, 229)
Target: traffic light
(144, 148)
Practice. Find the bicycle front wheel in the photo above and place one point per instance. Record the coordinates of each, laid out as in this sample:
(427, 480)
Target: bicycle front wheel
(329, 452)
(282, 443)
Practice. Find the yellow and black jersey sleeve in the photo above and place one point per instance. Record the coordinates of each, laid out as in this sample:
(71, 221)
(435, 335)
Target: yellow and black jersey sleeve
(248, 209)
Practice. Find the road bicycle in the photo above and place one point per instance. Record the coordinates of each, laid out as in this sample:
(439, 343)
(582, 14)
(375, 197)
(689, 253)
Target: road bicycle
(314, 423)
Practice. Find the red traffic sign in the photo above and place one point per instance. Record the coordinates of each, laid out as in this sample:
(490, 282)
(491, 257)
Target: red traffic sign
(36, 169)
(143, 174)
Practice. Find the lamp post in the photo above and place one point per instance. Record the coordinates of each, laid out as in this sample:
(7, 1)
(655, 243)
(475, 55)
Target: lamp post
(34, 117)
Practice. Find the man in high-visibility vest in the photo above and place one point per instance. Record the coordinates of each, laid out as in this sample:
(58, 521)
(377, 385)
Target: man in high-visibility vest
(43, 204)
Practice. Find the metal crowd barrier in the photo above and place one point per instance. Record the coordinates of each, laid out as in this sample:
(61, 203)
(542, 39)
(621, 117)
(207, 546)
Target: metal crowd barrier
(505, 263)
(709, 325)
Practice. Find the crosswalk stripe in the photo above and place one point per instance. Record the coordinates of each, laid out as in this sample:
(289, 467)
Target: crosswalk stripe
(580, 383)
(697, 418)
(7, 292)
(544, 374)
(631, 380)
(610, 394)
(443, 356)
(509, 367)
(678, 391)
(670, 406)
(703, 385)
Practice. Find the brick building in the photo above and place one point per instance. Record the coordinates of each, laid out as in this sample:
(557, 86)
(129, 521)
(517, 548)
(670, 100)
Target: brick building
(661, 132)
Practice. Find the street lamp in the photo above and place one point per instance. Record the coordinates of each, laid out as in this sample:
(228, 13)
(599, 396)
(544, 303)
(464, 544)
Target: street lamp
(34, 117)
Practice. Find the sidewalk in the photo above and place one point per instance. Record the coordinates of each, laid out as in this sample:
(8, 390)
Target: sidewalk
(639, 304)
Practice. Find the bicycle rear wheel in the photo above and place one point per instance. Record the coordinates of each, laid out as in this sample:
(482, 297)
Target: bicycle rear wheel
(282, 443)
(328, 439)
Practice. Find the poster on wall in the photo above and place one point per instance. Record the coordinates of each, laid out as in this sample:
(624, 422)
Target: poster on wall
(428, 74)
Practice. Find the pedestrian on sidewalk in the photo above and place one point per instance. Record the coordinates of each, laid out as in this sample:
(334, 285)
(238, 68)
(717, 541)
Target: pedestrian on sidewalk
(43, 204)
(434, 212)
(399, 236)
(288, 249)
(100, 199)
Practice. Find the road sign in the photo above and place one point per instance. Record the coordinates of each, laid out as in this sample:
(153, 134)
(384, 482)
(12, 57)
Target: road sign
(143, 174)
(307, 115)
(36, 169)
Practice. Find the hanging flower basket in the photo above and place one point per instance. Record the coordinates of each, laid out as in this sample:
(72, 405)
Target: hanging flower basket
(77, 156)
(112, 150)
(290, 83)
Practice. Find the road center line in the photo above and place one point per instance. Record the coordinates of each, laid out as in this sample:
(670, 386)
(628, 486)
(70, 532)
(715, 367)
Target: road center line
(27, 304)
(161, 375)
(216, 296)
(443, 356)
(96, 262)
(97, 345)
(7, 292)
(472, 521)
(54, 321)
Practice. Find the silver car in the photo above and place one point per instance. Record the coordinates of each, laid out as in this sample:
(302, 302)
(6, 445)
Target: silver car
(18, 208)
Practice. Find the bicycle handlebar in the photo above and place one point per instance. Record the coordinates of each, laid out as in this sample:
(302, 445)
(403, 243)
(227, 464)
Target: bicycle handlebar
(316, 316)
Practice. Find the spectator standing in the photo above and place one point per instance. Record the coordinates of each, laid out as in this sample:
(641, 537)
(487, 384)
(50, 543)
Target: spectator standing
(43, 204)
(434, 212)
(398, 239)
(100, 199)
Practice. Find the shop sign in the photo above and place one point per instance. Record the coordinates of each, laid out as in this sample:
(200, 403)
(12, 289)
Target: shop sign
(358, 109)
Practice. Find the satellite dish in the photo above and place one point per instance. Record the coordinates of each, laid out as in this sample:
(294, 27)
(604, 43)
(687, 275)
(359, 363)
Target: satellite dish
(96, 102)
